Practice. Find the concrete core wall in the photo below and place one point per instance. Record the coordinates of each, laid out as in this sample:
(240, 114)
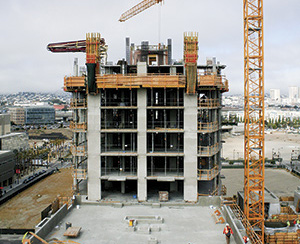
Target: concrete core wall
(94, 147)
(190, 148)
(142, 144)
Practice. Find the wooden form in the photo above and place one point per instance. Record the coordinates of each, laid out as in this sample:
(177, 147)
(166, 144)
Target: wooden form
(285, 217)
(283, 238)
(138, 81)
(213, 80)
(287, 210)
(72, 231)
(72, 83)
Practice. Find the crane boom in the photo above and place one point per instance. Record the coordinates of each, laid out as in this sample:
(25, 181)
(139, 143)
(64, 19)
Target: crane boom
(254, 183)
(140, 7)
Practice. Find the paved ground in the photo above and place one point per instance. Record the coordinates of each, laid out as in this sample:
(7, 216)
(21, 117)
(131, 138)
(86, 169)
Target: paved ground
(233, 148)
(279, 181)
(106, 225)
(24, 210)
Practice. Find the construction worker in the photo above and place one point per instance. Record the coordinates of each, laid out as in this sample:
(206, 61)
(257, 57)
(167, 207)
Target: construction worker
(245, 239)
(227, 232)
(288, 223)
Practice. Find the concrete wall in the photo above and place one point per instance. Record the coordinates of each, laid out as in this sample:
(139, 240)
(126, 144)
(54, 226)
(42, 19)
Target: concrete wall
(142, 144)
(48, 224)
(94, 148)
(190, 148)
(7, 167)
(235, 224)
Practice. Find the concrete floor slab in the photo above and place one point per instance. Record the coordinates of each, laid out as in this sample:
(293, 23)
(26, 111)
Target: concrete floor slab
(105, 224)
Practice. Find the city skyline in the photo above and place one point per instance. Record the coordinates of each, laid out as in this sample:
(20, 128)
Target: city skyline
(30, 26)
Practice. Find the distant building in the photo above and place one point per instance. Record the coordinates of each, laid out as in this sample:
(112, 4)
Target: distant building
(293, 94)
(17, 115)
(4, 124)
(7, 168)
(275, 95)
(39, 115)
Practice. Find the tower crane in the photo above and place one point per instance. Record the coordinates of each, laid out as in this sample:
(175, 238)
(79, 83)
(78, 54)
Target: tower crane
(140, 7)
(254, 173)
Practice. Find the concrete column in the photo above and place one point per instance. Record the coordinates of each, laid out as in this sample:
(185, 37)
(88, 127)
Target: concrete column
(142, 144)
(123, 187)
(94, 147)
(190, 148)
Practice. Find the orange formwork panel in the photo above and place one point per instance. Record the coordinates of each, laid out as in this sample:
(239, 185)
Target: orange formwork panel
(137, 81)
(74, 82)
(190, 60)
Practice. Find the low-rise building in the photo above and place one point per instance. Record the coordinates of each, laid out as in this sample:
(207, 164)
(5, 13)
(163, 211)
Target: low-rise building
(7, 167)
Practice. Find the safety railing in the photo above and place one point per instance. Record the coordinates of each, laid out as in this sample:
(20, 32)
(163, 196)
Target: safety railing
(165, 124)
(140, 80)
(238, 213)
(78, 126)
(208, 174)
(78, 150)
(209, 150)
(127, 171)
(79, 174)
(117, 148)
(159, 172)
(78, 103)
(208, 102)
(161, 102)
(208, 127)
(212, 79)
(169, 149)
(109, 124)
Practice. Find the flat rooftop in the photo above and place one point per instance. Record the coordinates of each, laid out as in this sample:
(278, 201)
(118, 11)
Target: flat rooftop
(107, 224)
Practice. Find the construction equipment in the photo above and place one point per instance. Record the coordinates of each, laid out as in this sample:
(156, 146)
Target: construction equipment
(26, 240)
(254, 173)
(138, 8)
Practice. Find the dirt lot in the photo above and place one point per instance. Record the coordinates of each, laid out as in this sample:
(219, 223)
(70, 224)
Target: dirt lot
(24, 210)
(233, 148)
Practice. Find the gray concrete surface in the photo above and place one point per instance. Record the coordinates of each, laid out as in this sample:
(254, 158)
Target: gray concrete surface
(142, 144)
(190, 148)
(94, 147)
(278, 181)
(106, 224)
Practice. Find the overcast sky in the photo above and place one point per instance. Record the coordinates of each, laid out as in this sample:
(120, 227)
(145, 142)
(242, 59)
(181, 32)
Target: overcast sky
(27, 26)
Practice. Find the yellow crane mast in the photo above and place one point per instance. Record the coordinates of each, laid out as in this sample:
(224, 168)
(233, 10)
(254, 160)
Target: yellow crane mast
(254, 115)
(140, 7)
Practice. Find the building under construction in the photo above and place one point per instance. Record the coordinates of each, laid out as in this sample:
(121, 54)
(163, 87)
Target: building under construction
(148, 123)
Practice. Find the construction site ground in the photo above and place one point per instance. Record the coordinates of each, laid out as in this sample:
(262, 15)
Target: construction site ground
(279, 181)
(107, 224)
(24, 210)
(278, 141)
